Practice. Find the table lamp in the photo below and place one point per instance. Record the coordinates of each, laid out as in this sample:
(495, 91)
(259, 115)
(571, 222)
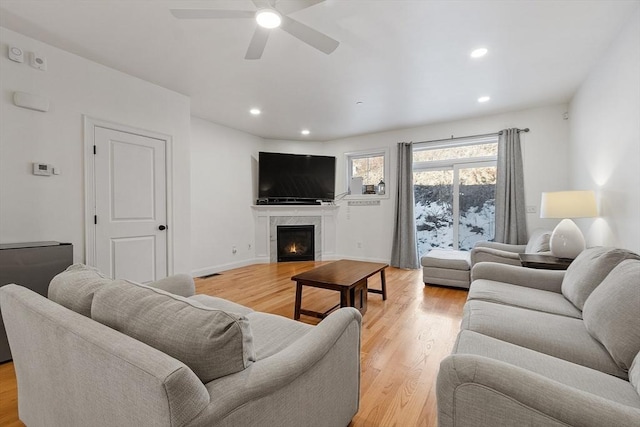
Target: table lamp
(567, 240)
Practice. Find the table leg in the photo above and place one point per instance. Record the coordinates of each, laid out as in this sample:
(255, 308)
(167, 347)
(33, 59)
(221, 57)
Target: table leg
(384, 285)
(346, 298)
(296, 310)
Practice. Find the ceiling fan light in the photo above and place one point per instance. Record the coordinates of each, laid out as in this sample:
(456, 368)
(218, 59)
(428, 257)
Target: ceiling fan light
(268, 18)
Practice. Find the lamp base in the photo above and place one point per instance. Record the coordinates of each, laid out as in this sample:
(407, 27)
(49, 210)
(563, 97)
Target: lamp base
(567, 240)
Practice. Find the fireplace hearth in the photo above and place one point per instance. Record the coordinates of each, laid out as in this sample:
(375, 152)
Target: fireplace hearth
(296, 243)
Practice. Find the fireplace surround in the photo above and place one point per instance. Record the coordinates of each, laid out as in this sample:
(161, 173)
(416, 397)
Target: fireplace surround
(268, 217)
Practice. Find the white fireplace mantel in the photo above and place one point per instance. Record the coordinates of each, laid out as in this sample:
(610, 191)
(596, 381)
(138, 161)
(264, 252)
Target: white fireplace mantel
(268, 215)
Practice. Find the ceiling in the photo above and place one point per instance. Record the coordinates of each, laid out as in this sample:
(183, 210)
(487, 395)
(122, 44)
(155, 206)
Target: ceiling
(406, 61)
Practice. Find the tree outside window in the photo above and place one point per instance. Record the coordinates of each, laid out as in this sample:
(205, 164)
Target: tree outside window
(371, 166)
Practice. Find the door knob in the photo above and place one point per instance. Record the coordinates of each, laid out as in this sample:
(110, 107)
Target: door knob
(162, 228)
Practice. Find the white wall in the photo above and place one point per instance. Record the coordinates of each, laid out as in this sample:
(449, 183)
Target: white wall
(545, 156)
(35, 208)
(223, 188)
(293, 147)
(605, 141)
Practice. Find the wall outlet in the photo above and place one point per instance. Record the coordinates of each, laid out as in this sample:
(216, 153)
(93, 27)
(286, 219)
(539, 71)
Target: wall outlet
(359, 245)
(531, 209)
(234, 250)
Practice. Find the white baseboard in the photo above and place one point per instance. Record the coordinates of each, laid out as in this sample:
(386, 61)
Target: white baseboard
(223, 267)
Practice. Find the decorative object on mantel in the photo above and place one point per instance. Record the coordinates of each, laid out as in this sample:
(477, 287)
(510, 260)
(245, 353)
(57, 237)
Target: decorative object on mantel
(567, 240)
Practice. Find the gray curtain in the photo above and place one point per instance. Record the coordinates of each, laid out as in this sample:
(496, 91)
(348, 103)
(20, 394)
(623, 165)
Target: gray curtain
(511, 226)
(404, 251)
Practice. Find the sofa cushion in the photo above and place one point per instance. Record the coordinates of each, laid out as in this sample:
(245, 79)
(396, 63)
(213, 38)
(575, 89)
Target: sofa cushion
(521, 296)
(272, 333)
(589, 269)
(538, 242)
(612, 313)
(449, 259)
(221, 304)
(559, 336)
(74, 288)
(211, 342)
(571, 374)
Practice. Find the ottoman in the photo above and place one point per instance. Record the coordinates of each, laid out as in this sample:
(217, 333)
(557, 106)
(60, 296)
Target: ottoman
(446, 267)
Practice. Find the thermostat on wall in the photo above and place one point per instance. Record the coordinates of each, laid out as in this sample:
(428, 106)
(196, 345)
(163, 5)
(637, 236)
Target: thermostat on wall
(42, 169)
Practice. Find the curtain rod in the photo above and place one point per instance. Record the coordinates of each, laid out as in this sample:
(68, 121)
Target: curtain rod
(525, 130)
(470, 136)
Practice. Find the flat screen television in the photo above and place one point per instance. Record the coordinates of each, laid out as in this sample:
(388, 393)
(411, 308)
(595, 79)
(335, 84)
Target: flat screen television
(295, 178)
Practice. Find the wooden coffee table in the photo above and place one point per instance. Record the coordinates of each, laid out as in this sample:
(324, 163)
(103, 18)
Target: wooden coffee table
(347, 277)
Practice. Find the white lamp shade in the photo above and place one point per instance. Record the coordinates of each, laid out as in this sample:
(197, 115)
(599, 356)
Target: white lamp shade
(568, 204)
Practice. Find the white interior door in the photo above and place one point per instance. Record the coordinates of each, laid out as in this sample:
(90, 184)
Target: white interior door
(130, 205)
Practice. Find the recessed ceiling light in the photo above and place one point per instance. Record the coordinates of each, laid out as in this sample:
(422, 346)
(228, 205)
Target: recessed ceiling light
(484, 98)
(359, 103)
(305, 132)
(255, 111)
(268, 18)
(479, 53)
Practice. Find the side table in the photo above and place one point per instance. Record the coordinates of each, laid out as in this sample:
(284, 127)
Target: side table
(546, 262)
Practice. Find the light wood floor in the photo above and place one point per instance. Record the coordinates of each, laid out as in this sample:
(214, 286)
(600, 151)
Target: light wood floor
(403, 339)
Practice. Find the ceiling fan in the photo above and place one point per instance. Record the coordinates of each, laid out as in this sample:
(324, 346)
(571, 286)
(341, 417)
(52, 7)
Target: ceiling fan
(271, 14)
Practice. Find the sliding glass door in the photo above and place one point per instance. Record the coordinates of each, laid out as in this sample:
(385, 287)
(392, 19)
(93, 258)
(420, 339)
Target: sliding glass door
(454, 189)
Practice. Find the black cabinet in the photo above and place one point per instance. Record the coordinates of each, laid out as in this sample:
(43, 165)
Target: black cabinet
(31, 265)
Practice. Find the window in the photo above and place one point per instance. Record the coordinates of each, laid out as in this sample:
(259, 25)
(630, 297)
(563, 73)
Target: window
(371, 167)
(454, 189)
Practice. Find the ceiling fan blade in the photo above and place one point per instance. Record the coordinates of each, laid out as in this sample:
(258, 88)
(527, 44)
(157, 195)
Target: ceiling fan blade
(257, 44)
(211, 14)
(308, 35)
(286, 7)
(262, 4)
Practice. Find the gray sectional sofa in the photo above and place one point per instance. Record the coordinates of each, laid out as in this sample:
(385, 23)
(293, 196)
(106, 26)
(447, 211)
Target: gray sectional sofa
(547, 348)
(100, 352)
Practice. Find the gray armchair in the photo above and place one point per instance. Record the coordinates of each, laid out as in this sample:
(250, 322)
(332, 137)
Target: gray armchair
(509, 254)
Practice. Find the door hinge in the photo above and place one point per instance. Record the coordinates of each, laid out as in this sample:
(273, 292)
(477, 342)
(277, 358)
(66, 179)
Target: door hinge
(94, 149)
(95, 219)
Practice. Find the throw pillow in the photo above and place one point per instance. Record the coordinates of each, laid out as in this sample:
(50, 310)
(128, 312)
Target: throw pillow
(539, 242)
(589, 269)
(211, 342)
(75, 287)
(611, 313)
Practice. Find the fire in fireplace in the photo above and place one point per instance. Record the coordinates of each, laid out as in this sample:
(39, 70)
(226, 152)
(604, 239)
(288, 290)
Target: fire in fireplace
(296, 243)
